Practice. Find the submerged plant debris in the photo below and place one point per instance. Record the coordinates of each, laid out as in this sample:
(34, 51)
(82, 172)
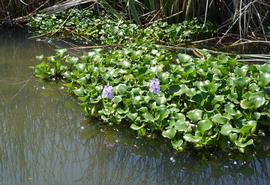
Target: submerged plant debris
(192, 102)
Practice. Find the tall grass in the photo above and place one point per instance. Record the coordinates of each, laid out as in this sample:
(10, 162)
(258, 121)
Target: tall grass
(244, 16)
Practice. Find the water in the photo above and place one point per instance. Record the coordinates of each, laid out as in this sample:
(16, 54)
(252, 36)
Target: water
(45, 140)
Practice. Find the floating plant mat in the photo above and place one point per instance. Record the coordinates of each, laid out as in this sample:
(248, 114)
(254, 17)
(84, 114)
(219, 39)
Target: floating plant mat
(91, 27)
(193, 102)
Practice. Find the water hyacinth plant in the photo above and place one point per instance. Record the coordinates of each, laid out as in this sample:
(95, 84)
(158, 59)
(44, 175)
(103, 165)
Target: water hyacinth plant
(192, 102)
(87, 27)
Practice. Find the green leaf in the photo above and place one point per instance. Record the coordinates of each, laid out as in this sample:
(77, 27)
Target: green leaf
(264, 79)
(82, 80)
(163, 113)
(201, 85)
(122, 111)
(254, 101)
(265, 68)
(132, 116)
(135, 127)
(179, 116)
(165, 77)
(219, 119)
(195, 115)
(241, 71)
(242, 82)
(233, 137)
(117, 99)
(213, 87)
(170, 133)
(241, 144)
(245, 104)
(79, 92)
(249, 127)
(137, 100)
(192, 139)
(121, 89)
(219, 98)
(182, 90)
(80, 67)
(204, 125)
(226, 129)
(229, 108)
(184, 58)
(181, 126)
(177, 144)
(253, 87)
(148, 117)
(161, 100)
(60, 52)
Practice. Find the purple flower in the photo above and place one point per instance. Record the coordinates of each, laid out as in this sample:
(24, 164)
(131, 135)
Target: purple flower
(154, 86)
(107, 92)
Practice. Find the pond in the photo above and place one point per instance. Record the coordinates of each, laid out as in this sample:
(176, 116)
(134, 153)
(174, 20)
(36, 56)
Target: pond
(45, 139)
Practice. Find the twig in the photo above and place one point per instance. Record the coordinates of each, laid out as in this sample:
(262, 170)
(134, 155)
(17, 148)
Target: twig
(204, 40)
(249, 42)
(93, 47)
(162, 19)
(23, 19)
(26, 82)
(258, 57)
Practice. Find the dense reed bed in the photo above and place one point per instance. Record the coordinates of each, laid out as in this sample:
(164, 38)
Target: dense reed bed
(242, 16)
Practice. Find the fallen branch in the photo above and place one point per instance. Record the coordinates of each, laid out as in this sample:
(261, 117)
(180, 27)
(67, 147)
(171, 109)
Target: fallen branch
(66, 5)
(93, 47)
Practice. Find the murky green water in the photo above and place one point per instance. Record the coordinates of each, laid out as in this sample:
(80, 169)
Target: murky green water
(45, 140)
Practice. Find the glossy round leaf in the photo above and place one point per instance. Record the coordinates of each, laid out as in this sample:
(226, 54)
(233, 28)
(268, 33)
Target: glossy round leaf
(181, 126)
(219, 119)
(195, 115)
(192, 139)
(243, 144)
(264, 79)
(177, 144)
(226, 129)
(170, 133)
(121, 89)
(204, 125)
(136, 127)
(79, 92)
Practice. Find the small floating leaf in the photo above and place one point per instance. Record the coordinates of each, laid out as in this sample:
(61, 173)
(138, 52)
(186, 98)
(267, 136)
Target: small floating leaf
(219, 119)
(192, 139)
(121, 88)
(117, 99)
(135, 127)
(181, 126)
(79, 92)
(243, 145)
(253, 102)
(226, 129)
(204, 125)
(177, 144)
(163, 113)
(264, 79)
(170, 133)
(148, 117)
(184, 58)
(195, 115)
(132, 116)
